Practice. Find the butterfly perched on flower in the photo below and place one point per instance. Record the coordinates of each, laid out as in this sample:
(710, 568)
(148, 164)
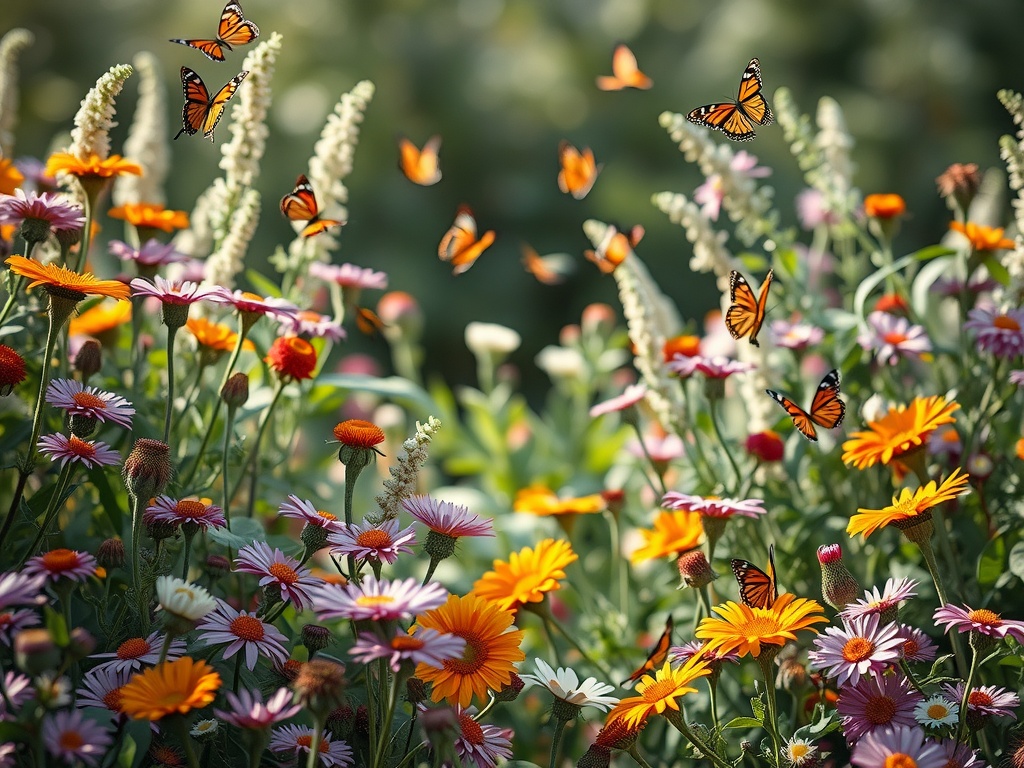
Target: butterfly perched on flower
(234, 29)
(625, 72)
(578, 170)
(736, 119)
(202, 112)
(420, 166)
(614, 247)
(460, 244)
(300, 205)
(746, 314)
(549, 270)
(827, 410)
(757, 588)
(657, 656)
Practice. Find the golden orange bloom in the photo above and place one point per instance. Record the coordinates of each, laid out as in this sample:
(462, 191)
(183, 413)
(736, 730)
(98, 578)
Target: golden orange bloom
(93, 166)
(486, 664)
(660, 692)
(884, 206)
(101, 318)
(292, 357)
(10, 177)
(909, 506)
(540, 500)
(358, 433)
(172, 687)
(61, 279)
(981, 237)
(1019, 449)
(902, 429)
(673, 534)
(215, 335)
(744, 629)
(686, 345)
(528, 575)
(150, 215)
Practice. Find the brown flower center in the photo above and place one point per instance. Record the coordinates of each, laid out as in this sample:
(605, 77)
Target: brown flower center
(471, 730)
(247, 628)
(880, 709)
(979, 699)
(306, 740)
(857, 649)
(283, 573)
(190, 508)
(112, 700)
(87, 400)
(986, 617)
(374, 538)
(71, 740)
(5, 620)
(899, 760)
(133, 648)
(1005, 323)
(910, 648)
(59, 560)
(81, 447)
(474, 656)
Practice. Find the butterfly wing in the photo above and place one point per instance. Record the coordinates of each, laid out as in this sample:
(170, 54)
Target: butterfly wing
(750, 99)
(801, 419)
(656, 657)
(468, 256)
(197, 102)
(726, 118)
(212, 49)
(215, 109)
(234, 28)
(420, 166)
(549, 270)
(757, 588)
(827, 410)
(318, 225)
(300, 203)
(578, 170)
(460, 245)
(746, 314)
(625, 72)
(368, 321)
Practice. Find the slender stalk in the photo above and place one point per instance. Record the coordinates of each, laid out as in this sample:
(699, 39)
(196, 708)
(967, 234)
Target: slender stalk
(659, 490)
(314, 748)
(141, 600)
(635, 754)
(188, 555)
(229, 425)
(63, 480)
(237, 675)
(171, 331)
(765, 662)
(259, 436)
(203, 445)
(12, 300)
(165, 647)
(572, 641)
(178, 724)
(620, 574)
(235, 353)
(962, 723)
(676, 718)
(725, 446)
(933, 568)
(556, 742)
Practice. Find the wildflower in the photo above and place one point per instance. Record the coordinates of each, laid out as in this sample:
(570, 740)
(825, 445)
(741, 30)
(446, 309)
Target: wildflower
(12, 622)
(65, 283)
(561, 363)
(897, 746)
(203, 728)
(38, 215)
(800, 753)
(985, 701)
(527, 576)
(565, 686)
(377, 600)
(542, 501)
(101, 688)
(877, 702)
(892, 337)
(358, 434)
(216, 336)
(962, 756)
(427, 646)
(368, 541)
(686, 345)
(175, 293)
(18, 689)
(672, 534)
(884, 206)
(251, 306)
(182, 599)
(717, 367)
(838, 585)
(660, 692)
(61, 564)
(446, 518)
(745, 630)
(89, 402)
(197, 512)
(884, 602)
(275, 567)
(11, 178)
(983, 621)
(998, 332)
(150, 216)
(797, 335)
(902, 429)
(960, 182)
(891, 304)
(859, 648)
(491, 340)
(71, 737)
(92, 454)
(319, 685)
(349, 276)
(102, 321)
(293, 358)
(945, 441)
(91, 166)
(694, 569)
(481, 744)
(710, 506)
(313, 324)
(248, 710)
(714, 658)
(491, 649)
(151, 253)
(981, 237)
(19, 588)
(172, 687)
(909, 507)
(132, 653)
(12, 370)
(632, 395)
(242, 630)
(936, 712)
(917, 646)
(300, 509)
(813, 209)
(297, 740)
(662, 448)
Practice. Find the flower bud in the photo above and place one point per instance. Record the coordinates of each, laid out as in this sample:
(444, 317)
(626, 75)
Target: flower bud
(320, 685)
(89, 359)
(595, 757)
(510, 690)
(147, 470)
(12, 370)
(159, 530)
(110, 554)
(695, 570)
(960, 183)
(341, 721)
(315, 637)
(82, 643)
(235, 391)
(217, 565)
(838, 586)
(313, 537)
(82, 426)
(35, 652)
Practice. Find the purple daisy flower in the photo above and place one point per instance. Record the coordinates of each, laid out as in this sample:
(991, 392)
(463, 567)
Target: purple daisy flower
(917, 646)
(185, 511)
(982, 620)
(717, 367)
(632, 395)
(248, 709)
(860, 647)
(243, 301)
(368, 541)
(881, 602)
(887, 747)
(68, 735)
(998, 332)
(680, 654)
(300, 509)
(960, 755)
(49, 208)
(18, 689)
(153, 253)
(349, 276)
(877, 702)
(179, 292)
(713, 507)
(427, 646)
(62, 564)
(89, 402)
(240, 629)
(985, 700)
(101, 688)
(92, 453)
(310, 323)
(275, 567)
(18, 588)
(446, 518)
(11, 622)
(132, 653)
(479, 743)
(381, 600)
(297, 740)
(796, 336)
(892, 337)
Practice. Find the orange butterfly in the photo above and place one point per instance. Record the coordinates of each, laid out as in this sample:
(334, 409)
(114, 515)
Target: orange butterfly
(757, 588)
(549, 270)
(736, 118)
(368, 321)
(614, 248)
(579, 170)
(234, 29)
(655, 658)
(746, 315)
(300, 205)
(460, 245)
(202, 113)
(827, 410)
(626, 74)
(420, 166)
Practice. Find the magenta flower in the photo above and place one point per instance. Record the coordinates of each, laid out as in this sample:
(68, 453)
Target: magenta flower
(18, 689)
(797, 335)
(91, 453)
(153, 253)
(717, 367)
(349, 276)
(51, 209)
(917, 646)
(89, 402)
(246, 302)
(892, 337)
(368, 541)
(101, 688)
(446, 518)
(680, 654)
(860, 647)
(875, 601)
(275, 567)
(813, 210)
(242, 630)
(875, 702)
(899, 745)
(710, 195)
(377, 600)
(186, 511)
(61, 564)
(998, 332)
(300, 509)
(985, 700)
(960, 755)
(632, 395)
(981, 620)
(297, 740)
(171, 292)
(132, 653)
(711, 506)
(481, 744)
(71, 737)
(18, 588)
(310, 323)
(427, 646)
(249, 711)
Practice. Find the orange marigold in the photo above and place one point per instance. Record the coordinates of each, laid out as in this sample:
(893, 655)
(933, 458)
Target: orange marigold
(528, 575)
(981, 237)
(92, 166)
(215, 336)
(292, 357)
(884, 206)
(100, 318)
(150, 215)
(172, 687)
(902, 429)
(63, 281)
(357, 433)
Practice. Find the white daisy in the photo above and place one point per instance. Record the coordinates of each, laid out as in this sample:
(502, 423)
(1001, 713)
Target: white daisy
(936, 712)
(183, 599)
(565, 685)
(799, 752)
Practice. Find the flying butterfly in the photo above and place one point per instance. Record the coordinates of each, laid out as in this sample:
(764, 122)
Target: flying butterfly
(460, 244)
(551, 269)
(202, 112)
(625, 72)
(736, 119)
(746, 315)
(578, 170)
(300, 205)
(757, 588)
(827, 410)
(614, 248)
(368, 321)
(420, 166)
(234, 29)
(657, 656)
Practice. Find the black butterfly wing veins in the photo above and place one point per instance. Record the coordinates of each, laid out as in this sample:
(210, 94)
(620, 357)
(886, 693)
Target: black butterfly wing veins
(736, 119)
(197, 102)
(657, 655)
(827, 409)
(746, 313)
(234, 29)
(758, 588)
(751, 96)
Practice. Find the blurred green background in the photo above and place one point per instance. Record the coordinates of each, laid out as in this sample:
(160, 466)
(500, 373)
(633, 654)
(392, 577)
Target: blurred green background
(504, 80)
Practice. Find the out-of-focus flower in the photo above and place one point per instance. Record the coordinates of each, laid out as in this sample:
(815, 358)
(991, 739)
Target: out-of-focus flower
(528, 575)
(910, 506)
(349, 275)
(38, 215)
(248, 710)
(491, 339)
(686, 345)
(902, 429)
(542, 501)
(171, 687)
(961, 182)
(892, 337)
(90, 453)
(61, 564)
(102, 321)
(12, 370)
(427, 646)
(1001, 333)
(216, 336)
(152, 253)
(860, 648)
(247, 303)
(717, 367)
(981, 237)
(884, 206)
(672, 534)
(70, 737)
(796, 335)
(292, 357)
(313, 324)
(150, 216)
(92, 166)
(712, 506)
(765, 446)
(298, 741)
(813, 209)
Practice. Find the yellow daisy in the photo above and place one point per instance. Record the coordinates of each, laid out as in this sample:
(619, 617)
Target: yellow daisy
(673, 534)
(542, 501)
(174, 686)
(745, 630)
(660, 693)
(527, 576)
(92, 166)
(65, 282)
(150, 215)
(901, 430)
(910, 506)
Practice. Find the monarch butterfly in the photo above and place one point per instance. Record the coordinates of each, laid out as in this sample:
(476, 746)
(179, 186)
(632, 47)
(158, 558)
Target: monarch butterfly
(746, 315)
(614, 248)
(656, 657)
(757, 588)
(300, 205)
(625, 72)
(549, 270)
(460, 245)
(420, 166)
(234, 29)
(736, 118)
(827, 410)
(368, 321)
(578, 172)
(202, 113)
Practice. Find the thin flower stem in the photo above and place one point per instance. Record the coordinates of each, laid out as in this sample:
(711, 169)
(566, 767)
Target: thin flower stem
(237, 675)
(171, 331)
(178, 724)
(635, 754)
(228, 429)
(659, 490)
(212, 421)
(964, 700)
(572, 641)
(772, 721)
(235, 353)
(188, 555)
(264, 422)
(380, 758)
(63, 480)
(556, 742)
(713, 696)
(430, 571)
(12, 300)
(140, 598)
(165, 647)
(313, 761)
(676, 718)
(91, 198)
(351, 475)
(619, 572)
(725, 446)
(933, 568)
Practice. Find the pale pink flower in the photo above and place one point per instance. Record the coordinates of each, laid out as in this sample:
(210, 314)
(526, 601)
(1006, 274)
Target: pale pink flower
(349, 275)
(427, 646)
(242, 630)
(711, 506)
(297, 740)
(152, 253)
(446, 518)
(372, 541)
(172, 292)
(1001, 333)
(632, 395)
(89, 402)
(248, 709)
(52, 209)
(796, 335)
(718, 367)
(891, 337)
(275, 567)
(88, 452)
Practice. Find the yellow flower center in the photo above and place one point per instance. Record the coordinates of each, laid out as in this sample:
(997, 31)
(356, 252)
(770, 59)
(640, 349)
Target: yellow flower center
(247, 628)
(899, 760)
(112, 700)
(986, 617)
(1006, 323)
(880, 710)
(374, 538)
(283, 573)
(133, 648)
(326, 515)
(758, 626)
(87, 400)
(979, 699)
(57, 560)
(659, 690)
(796, 751)
(937, 711)
(371, 600)
(858, 649)
(190, 508)
(406, 643)
(71, 740)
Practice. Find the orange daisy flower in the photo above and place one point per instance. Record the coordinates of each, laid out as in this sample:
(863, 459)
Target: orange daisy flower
(215, 336)
(909, 507)
(673, 533)
(527, 576)
(357, 433)
(174, 686)
(686, 345)
(10, 177)
(151, 215)
(540, 500)
(901, 430)
(982, 238)
(63, 281)
(745, 630)
(884, 206)
(101, 318)
(661, 692)
(486, 664)
(292, 357)
(92, 166)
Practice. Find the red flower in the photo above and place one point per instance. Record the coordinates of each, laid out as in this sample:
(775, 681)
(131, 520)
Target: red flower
(292, 357)
(12, 370)
(765, 446)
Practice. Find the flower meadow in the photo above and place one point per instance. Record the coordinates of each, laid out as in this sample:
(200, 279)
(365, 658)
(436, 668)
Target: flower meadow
(786, 534)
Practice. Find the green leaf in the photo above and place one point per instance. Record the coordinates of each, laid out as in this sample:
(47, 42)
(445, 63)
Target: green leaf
(1016, 560)
(56, 626)
(391, 387)
(920, 291)
(138, 735)
(997, 270)
(108, 499)
(932, 252)
(263, 285)
(869, 283)
(743, 722)
(244, 531)
(991, 563)
(757, 707)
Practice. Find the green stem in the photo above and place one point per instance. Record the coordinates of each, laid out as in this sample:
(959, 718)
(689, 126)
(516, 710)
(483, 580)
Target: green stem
(676, 718)
(171, 331)
(721, 441)
(933, 568)
(556, 742)
(90, 199)
(314, 748)
(765, 662)
(572, 641)
(12, 300)
(229, 425)
(635, 754)
(188, 555)
(63, 480)
(178, 724)
(237, 675)
(264, 422)
(235, 353)
(202, 446)
(659, 490)
(713, 695)
(165, 647)
(620, 574)
(141, 600)
(962, 724)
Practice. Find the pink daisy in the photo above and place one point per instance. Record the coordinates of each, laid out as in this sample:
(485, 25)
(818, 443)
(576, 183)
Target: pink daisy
(381, 600)
(892, 337)
(89, 402)
(18, 689)
(11, 622)
(310, 323)
(680, 654)
(917, 646)
(998, 332)
(661, 447)
(62, 564)
(633, 394)
(242, 629)
(180, 292)
(349, 276)
(859, 647)
(248, 709)
(92, 453)
(18, 588)
(153, 253)
(877, 702)
(900, 745)
(48, 208)
(297, 740)
(101, 688)
(960, 755)
(71, 737)
(717, 367)
(300, 509)
(797, 336)
(246, 302)
(881, 602)
(446, 518)
(710, 195)
(132, 653)
(953, 286)
(427, 646)
(982, 620)
(1017, 377)
(367, 541)
(480, 743)
(275, 567)
(990, 700)
(184, 512)
(812, 208)
(711, 506)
